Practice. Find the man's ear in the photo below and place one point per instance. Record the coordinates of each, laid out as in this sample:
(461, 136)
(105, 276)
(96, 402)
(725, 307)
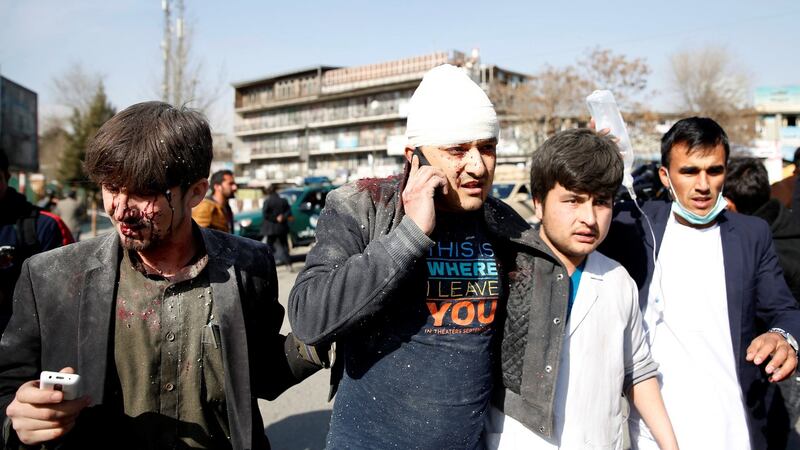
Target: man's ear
(408, 153)
(538, 209)
(197, 192)
(663, 175)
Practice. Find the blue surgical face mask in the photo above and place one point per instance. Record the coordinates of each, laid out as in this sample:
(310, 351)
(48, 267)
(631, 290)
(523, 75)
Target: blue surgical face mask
(693, 218)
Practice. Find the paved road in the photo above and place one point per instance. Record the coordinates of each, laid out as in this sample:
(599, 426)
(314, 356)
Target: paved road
(298, 419)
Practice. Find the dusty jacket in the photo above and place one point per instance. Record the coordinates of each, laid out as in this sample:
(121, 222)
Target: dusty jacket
(366, 248)
(63, 316)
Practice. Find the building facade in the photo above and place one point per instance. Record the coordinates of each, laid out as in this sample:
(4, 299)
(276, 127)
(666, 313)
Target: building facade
(778, 129)
(344, 122)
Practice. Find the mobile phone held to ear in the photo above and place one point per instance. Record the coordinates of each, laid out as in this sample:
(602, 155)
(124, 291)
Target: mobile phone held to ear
(423, 161)
(68, 383)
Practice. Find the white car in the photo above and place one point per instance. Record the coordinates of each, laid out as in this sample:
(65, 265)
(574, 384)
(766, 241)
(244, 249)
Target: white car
(517, 195)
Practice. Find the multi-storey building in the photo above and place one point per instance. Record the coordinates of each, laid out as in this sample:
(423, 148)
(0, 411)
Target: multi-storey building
(778, 126)
(779, 117)
(344, 122)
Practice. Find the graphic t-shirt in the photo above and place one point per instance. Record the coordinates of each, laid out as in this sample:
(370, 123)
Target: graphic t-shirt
(422, 379)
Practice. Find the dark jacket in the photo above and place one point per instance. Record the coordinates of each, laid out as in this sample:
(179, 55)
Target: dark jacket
(274, 206)
(48, 232)
(64, 309)
(758, 297)
(366, 249)
(786, 236)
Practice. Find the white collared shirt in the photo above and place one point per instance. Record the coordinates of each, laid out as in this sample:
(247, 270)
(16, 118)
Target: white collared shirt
(604, 341)
(693, 345)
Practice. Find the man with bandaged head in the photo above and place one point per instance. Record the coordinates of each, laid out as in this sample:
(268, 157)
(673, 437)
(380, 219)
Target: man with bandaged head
(408, 275)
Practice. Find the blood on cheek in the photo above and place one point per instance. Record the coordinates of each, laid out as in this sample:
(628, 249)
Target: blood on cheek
(136, 215)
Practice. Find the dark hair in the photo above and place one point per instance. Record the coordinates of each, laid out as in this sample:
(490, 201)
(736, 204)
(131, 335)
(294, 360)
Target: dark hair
(578, 159)
(797, 156)
(149, 148)
(3, 162)
(218, 176)
(697, 133)
(746, 184)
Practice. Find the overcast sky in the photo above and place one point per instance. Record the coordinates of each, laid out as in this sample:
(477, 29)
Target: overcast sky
(235, 41)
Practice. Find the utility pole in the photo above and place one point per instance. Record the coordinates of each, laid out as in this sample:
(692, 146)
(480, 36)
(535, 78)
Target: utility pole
(180, 56)
(166, 49)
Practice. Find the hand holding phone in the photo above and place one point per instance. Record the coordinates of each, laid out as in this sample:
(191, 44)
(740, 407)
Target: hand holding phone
(424, 183)
(68, 383)
(35, 400)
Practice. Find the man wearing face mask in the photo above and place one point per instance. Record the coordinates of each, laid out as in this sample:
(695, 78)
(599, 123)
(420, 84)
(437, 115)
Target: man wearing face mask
(719, 316)
(173, 329)
(409, 274)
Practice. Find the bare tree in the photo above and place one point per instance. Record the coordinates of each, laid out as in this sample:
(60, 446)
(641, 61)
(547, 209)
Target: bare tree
(554, 98)
(710, 84)
(625, 77)
(75, 89)
(548, 99)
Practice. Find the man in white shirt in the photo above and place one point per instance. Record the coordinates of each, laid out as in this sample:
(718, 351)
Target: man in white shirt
(604, 354)
(718, 314)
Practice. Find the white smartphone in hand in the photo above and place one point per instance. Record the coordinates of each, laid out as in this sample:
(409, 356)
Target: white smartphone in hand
(68, 383)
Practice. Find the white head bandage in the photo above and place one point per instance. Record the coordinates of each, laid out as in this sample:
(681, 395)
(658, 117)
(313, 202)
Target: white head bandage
(449, 108)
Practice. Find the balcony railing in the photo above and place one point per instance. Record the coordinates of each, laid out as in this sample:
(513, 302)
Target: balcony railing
(322, 116)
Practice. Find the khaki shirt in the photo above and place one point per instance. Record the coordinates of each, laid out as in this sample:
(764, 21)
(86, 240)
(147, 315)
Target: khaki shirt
(210, 214)
(168, 357)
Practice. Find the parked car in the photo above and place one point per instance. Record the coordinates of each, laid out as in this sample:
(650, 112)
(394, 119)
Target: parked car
(305, 202)
(517, 195)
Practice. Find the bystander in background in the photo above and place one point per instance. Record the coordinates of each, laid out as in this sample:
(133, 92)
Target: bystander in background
(214, 211)
(25, 230)
(275, 228)
(72, 212)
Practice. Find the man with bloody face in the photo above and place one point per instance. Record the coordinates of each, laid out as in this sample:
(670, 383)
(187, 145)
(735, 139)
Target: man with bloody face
(166, 323)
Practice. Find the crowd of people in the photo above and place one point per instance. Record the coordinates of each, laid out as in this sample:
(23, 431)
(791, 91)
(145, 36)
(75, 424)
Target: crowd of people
(447, 321)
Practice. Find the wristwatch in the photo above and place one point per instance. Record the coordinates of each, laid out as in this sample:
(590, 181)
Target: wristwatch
(789, 338)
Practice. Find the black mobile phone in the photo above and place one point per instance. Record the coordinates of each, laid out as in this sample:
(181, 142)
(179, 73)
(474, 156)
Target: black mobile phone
(423, 161)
